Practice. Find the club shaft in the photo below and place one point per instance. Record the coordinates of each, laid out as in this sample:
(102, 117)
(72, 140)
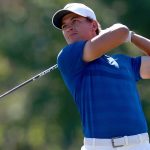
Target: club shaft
(30, 80)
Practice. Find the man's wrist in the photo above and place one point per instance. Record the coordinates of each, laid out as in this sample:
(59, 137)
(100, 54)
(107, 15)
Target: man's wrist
(132, 34)
(129, 38)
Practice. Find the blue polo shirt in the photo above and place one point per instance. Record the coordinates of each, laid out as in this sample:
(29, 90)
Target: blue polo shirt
(104, 91)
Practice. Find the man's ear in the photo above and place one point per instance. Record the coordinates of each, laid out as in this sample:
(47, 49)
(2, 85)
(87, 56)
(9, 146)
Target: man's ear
(94, 26)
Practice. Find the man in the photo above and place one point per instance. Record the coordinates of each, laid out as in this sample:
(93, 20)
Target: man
(103, 87)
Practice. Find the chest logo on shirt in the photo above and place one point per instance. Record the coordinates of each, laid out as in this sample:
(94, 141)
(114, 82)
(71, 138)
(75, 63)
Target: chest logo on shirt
(112, 62)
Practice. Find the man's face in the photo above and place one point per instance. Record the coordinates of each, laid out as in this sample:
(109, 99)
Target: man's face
(76, 28)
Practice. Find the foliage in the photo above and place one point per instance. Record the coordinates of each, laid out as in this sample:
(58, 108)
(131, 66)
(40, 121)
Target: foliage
(42, 115)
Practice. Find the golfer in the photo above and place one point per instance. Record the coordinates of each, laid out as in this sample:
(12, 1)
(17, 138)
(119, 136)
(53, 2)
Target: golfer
(103, 86)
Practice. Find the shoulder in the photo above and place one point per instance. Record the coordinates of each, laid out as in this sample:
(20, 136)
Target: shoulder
(79, 44)
(71, 49)
(121, 56)
(126, 57)
(70, 57)
(129, 61)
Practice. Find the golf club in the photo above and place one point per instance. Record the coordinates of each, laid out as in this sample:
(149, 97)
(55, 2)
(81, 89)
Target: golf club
(30, 80)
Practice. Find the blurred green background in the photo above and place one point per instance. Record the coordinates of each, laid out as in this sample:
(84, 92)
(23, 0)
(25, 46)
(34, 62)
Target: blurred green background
(42, 115)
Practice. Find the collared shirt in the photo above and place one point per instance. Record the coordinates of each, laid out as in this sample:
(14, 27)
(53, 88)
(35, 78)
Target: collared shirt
(105, 92)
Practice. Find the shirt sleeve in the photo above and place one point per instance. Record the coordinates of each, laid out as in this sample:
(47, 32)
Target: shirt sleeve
(70, 59)
(135, 65)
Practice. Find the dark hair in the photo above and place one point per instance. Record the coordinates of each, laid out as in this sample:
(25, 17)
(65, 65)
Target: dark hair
(99, 27)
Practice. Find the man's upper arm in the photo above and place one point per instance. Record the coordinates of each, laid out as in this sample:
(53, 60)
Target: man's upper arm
(145, 67)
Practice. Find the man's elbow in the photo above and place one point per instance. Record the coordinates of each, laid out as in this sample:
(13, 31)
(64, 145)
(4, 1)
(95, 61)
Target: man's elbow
(124, 32)
(121, 31)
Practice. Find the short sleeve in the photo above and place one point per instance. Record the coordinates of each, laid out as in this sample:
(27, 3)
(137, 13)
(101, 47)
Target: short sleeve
(136, 64)
(70, 59)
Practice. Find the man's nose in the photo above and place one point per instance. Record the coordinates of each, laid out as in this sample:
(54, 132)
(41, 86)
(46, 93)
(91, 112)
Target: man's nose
(69, 27)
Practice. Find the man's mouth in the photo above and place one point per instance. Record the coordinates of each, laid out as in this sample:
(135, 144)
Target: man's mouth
(72, 34)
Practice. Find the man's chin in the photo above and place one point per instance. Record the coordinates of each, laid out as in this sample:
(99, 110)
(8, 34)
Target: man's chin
(73, 41)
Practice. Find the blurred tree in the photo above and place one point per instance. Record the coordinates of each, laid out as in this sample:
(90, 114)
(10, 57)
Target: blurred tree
(42, 115)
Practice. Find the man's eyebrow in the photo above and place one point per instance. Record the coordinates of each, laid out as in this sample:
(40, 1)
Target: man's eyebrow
(73, 17)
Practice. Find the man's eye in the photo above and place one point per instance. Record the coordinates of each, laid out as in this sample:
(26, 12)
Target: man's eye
(74, 21)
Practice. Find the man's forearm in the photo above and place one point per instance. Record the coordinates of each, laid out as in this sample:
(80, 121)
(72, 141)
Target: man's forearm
(107, 40)
(141, 42)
